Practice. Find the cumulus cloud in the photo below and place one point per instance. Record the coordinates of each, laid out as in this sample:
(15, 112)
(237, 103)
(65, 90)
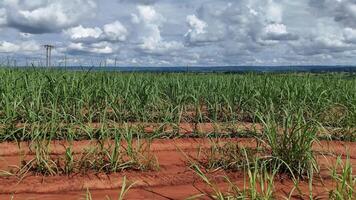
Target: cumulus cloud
(349, 35)
(3, 16)
(197, 30)
(81, 33)
(94, 39)
(277, 32)
(274, 12)
(245, 24)
(115, 31)
(147, 26)
(196, 25)
(342, 11)
(200, 32)
(325, 44)
(144, 2)
(26, 46)
(30, 46)
(93, 48)
(45, 16)
(8, 47)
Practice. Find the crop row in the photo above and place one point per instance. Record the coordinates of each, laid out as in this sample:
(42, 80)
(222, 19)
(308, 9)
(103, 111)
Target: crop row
(35, 96)
(279, 151)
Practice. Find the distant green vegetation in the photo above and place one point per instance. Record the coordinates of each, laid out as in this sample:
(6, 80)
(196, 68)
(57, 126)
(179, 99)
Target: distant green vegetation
(68, 97)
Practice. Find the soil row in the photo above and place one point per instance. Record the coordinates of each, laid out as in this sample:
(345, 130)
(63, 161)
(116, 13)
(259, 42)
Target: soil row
(173, 180)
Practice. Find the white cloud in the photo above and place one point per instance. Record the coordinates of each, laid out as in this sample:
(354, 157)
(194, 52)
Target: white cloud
(341, 11)
(115, 31)
(30, 46)
(196, 25)
(44, 16)
(80, 33)
(196, 29)
(101, 48)
(148, 23)
(94, 48)
(349, 35)
(278, 29)
(76, 46)
(149, 15)
(323, 44)
(3, 17)
(171, 32)
(277, 32)
(145, 2)
(274, 12)
(23, 47)
(96, 40)
(8, 47)
(198, 34)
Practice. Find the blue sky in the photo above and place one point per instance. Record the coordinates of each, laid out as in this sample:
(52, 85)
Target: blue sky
(179, 32)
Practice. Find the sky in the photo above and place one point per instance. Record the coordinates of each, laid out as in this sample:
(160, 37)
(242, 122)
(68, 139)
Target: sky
(178, 32)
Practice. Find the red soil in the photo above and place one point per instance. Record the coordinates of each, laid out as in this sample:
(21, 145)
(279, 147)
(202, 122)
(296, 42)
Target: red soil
(183, 128)
(174, 179)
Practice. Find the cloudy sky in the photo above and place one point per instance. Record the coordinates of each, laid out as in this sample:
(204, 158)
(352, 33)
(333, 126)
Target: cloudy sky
(179, 32)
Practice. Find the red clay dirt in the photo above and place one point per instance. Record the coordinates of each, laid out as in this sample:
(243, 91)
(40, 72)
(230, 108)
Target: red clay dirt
(174, 179)
(181, 128)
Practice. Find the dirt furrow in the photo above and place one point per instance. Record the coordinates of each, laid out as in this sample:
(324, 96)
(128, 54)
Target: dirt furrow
(174, 173)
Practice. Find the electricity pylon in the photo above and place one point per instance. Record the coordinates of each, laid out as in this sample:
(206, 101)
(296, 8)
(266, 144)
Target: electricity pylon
(48, 54)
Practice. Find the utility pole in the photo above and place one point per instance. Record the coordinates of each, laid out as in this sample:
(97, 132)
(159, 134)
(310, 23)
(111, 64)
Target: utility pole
(115, 61)
(65, 60)
(48, 54)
